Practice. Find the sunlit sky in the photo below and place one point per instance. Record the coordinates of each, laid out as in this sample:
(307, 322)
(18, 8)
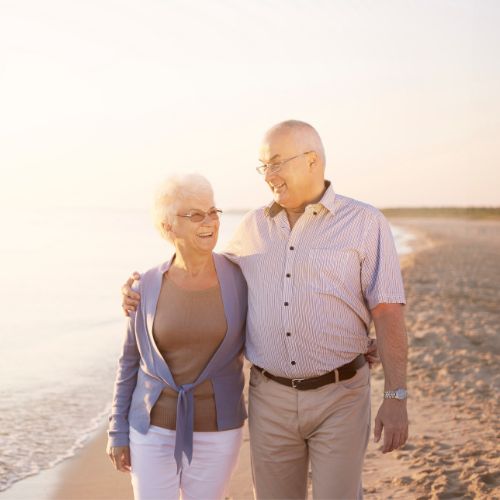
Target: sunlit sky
(99, 100)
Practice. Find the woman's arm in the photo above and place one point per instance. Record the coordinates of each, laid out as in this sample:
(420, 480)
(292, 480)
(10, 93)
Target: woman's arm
(126, 381)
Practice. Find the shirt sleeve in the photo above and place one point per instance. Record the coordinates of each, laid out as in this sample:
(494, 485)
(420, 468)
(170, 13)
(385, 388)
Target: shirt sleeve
(380, 270)
(126, 381)
(232, 250)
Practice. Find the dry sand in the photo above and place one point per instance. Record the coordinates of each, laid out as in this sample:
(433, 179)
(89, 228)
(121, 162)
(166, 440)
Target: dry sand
(452, 283)
(453, 322)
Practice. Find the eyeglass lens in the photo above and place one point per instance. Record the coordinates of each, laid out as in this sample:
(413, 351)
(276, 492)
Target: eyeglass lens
(198, 216)
(273, 167)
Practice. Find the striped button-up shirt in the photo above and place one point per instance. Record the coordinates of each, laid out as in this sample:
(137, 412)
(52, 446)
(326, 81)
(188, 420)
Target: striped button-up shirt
(310, 289)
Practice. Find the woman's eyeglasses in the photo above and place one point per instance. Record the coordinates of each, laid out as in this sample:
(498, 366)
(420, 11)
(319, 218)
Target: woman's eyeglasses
(214, 214)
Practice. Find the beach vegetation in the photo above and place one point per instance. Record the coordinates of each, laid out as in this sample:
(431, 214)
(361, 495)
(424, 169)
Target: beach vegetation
(455, 212)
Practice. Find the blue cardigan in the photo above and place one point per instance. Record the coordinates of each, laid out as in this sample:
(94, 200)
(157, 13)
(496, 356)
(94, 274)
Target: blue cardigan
(143, 373)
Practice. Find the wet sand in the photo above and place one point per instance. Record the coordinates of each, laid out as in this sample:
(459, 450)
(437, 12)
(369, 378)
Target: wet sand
(452, 282)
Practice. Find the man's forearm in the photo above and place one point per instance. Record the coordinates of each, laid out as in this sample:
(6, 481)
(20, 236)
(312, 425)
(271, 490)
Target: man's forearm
(392, 344)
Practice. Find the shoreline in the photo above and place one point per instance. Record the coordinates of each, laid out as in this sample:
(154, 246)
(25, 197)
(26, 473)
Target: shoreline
(89, 474)
(418, 243)
(82, 476)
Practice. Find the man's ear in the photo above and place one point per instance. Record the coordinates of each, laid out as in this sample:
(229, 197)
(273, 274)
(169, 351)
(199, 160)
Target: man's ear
(313, 160)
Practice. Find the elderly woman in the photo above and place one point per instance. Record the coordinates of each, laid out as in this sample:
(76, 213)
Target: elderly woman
(178, 408)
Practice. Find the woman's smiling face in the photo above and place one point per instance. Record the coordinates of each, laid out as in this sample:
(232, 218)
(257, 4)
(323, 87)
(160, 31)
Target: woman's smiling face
(198, 237)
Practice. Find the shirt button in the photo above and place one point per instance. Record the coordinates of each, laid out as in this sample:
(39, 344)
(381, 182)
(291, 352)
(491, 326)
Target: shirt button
(286, 303)
(293, 362)
(315, 213)
(288, 334)
(287, 275)
(291, 248)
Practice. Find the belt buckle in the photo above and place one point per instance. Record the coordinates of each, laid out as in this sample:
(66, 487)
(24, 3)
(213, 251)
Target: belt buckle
(296, 380)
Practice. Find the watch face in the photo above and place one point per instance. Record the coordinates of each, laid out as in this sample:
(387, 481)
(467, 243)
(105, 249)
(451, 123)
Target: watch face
(401, 394)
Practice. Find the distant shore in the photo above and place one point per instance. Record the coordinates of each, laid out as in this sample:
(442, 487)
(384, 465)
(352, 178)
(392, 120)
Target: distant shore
(492, 213)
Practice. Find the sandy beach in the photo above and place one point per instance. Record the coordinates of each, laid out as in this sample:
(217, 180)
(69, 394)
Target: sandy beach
(452, 283)
(453, 315)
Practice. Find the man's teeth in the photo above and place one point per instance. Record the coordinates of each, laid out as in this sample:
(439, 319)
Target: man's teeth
(276, 187)
(204, 235)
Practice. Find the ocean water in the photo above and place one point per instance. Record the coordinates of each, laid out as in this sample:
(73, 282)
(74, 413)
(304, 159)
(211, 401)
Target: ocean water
(62, 325)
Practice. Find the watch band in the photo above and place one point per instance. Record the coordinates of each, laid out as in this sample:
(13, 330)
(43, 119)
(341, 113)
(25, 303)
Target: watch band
(399, 394)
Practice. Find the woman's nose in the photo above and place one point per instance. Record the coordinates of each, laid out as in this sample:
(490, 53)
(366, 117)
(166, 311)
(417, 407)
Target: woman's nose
(203, 222)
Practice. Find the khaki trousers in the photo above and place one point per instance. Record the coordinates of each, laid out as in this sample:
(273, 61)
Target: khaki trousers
(329, 427)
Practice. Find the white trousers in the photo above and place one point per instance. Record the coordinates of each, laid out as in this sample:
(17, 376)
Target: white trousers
(153, 471)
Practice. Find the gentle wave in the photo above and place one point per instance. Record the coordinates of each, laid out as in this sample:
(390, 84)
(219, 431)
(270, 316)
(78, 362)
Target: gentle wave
(46, 431)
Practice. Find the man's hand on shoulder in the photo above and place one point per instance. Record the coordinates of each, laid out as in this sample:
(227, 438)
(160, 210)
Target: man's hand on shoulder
(130, 299)
(392, 416)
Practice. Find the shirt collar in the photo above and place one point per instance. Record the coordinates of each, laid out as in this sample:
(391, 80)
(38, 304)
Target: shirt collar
(328, 201)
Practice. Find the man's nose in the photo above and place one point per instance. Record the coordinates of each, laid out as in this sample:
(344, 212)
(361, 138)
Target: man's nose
(269, 175)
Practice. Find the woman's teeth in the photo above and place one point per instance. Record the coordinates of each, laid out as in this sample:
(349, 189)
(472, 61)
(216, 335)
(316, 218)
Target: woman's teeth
(205, 235)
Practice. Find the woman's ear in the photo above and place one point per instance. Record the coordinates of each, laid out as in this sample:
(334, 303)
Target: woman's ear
(168, 230)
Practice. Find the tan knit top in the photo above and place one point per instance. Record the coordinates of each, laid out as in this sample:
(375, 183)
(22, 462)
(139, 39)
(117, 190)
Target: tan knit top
(189, 327)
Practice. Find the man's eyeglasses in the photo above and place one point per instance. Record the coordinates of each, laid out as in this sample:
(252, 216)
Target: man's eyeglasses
(275, 167)
(199, 216)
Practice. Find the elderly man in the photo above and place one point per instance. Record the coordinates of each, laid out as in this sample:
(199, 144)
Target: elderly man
(319, 268)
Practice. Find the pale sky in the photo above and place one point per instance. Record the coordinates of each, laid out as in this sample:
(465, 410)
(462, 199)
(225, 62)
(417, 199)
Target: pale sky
(99, 100)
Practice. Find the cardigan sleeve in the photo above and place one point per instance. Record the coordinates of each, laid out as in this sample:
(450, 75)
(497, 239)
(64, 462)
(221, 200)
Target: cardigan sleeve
(126, 381)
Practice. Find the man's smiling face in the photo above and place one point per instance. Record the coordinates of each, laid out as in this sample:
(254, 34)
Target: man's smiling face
(290, 185)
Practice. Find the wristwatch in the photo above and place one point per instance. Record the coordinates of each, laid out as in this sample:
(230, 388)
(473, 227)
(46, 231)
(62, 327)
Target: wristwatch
(397, 394)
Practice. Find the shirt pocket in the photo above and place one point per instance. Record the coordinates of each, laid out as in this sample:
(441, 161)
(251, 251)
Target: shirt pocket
(327, 269)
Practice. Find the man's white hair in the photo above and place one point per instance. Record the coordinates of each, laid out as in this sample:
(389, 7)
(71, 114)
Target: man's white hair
(305, 137)
(173, 192)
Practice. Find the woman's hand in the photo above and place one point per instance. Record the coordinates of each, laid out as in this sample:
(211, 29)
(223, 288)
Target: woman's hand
(120, 457)
(130, 299)
(372, 354)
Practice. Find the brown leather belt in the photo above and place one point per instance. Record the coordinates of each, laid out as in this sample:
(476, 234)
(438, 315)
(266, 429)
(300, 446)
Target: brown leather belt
(344, 372)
